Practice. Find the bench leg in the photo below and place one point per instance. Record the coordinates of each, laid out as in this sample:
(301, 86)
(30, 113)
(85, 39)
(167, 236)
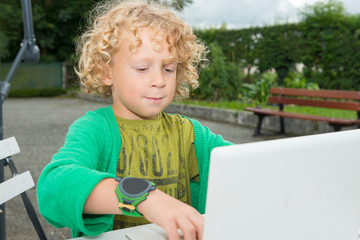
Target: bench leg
(258, 125)
(336, 127)
(282, 126)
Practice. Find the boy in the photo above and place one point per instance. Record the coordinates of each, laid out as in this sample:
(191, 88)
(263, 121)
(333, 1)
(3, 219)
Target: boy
(130, 159)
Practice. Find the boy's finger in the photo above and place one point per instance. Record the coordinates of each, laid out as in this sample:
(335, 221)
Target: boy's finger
(187, 228)
(198, 221)
(171, 231)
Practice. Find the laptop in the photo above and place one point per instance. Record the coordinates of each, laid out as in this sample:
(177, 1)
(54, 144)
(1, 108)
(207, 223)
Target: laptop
(289, 189)
(300, 188)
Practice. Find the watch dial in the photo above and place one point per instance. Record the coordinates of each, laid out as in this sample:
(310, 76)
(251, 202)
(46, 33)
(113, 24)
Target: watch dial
(134, 185)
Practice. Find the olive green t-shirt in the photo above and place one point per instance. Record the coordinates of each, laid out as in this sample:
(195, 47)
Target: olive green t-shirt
(160, 150)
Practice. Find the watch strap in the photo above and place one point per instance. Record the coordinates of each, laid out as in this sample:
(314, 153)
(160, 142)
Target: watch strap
(127, 201)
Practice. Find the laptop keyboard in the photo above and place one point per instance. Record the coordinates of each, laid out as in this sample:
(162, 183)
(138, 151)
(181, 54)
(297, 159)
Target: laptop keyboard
(150, 232)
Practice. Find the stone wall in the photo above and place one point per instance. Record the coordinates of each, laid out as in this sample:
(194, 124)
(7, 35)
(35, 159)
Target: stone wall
(243, 118)
(248, 119)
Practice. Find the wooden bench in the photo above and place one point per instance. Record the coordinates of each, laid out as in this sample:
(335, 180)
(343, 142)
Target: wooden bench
(337, 99)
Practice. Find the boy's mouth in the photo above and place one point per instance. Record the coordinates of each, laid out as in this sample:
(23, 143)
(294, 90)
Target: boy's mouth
(154, 99)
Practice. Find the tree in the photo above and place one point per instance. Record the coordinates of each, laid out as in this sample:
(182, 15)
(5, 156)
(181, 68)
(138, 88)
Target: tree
(331, 45)
(221, 80)
(56, 25)
(278, 49)
(10, 28)
(178, 5)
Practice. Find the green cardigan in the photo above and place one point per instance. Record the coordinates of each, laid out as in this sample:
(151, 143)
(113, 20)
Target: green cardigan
(90, 154)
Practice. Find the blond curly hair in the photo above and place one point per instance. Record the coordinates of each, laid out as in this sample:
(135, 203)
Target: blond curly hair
(110, 19)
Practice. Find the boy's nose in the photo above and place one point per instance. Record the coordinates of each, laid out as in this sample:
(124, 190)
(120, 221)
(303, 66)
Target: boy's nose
(157, 79)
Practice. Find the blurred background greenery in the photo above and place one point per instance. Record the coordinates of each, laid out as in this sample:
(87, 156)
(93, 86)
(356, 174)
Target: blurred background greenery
(322, 50)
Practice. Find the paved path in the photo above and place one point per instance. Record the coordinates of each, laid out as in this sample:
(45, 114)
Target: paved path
(40, 125)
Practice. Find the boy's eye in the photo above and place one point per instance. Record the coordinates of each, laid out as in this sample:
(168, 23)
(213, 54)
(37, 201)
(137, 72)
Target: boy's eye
(141, 69)
(169, 70)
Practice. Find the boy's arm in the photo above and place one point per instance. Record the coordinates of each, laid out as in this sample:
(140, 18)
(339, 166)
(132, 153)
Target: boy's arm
(102, 199)
(159, 208)
(66, 182)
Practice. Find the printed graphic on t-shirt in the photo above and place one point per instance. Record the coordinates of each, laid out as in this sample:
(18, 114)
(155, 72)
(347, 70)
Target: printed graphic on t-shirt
(160, 150)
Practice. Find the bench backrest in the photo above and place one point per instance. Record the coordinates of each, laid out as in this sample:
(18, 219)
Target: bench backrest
(339, 99)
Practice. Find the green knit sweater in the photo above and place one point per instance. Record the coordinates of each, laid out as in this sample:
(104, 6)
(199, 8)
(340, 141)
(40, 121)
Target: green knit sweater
(90, 154)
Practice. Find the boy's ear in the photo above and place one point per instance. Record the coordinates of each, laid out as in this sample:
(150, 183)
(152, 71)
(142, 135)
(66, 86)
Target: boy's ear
(107, 79)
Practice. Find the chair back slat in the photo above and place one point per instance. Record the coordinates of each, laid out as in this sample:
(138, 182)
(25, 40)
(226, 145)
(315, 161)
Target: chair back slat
(15, 186)
(8, 147)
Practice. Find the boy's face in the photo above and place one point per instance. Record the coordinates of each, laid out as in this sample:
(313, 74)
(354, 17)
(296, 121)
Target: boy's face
(143, 82)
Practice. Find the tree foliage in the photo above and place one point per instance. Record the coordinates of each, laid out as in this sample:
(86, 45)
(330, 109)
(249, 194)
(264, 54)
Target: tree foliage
(326, 41)
(221, 80)
(331, 45)
(56, 25)
(178, 5)
(274, 47)
(278, 49)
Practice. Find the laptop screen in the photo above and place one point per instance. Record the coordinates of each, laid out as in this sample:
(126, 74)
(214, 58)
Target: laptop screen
(296, 188)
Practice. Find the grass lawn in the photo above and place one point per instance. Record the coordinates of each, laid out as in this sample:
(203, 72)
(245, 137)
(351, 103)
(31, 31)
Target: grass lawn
(326, 112)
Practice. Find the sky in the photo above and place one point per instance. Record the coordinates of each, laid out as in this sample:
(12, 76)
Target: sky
(250, 13)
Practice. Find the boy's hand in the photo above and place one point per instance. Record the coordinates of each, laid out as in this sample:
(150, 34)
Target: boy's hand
(172, 214)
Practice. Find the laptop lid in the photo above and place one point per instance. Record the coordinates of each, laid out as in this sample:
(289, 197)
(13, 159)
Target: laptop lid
(296, 188)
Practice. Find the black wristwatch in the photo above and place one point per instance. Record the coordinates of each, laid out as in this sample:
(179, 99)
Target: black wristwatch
(130, 192)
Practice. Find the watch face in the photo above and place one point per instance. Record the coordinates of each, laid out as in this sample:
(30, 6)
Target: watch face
(134, 186)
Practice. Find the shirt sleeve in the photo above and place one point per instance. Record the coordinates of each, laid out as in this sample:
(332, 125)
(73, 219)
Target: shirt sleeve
(66, 182)
(205, 142)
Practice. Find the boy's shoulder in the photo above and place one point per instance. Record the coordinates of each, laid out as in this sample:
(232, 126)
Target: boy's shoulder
(97, 124)
(96, 117)
(99, 113)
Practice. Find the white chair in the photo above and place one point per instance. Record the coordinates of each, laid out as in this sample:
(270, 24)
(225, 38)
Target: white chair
(18, 184)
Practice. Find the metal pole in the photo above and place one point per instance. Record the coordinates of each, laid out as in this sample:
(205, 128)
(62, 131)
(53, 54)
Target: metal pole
(29, 52)
(27, 19)
(2, 162)
(32, 53)
(5, 88)
(4, 91)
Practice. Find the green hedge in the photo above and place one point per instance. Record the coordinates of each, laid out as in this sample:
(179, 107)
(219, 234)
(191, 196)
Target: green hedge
(326, 41)
(44, 92)
(34, 75)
